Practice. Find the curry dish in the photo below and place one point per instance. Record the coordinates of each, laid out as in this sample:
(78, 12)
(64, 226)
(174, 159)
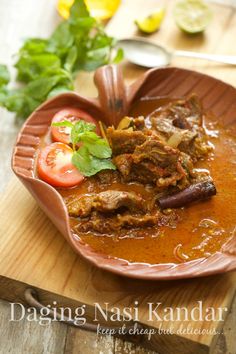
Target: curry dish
(170, 197)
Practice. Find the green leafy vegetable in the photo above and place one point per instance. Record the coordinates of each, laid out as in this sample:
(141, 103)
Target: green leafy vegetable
(94, 154)
(119, 56)
(96, 146)
(58, 90)
(80, 128)
(47, 67)
(4, 75)
(88, 164)
(79, 11)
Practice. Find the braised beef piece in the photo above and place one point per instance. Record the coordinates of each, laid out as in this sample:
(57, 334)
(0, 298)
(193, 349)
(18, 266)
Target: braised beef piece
(104, 224)
(108, 224)
(124, 141)
(107, 177)
(134, 221)
(147, 156)
(179, 124)
(185, 113)
(154, 162)
(111, 211)
(81, 206)
(138, 123)
(111, 200)
(105, 202)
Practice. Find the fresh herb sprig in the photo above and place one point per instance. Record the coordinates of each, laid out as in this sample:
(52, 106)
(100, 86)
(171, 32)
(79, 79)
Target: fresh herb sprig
(94, 154)
(46, 67)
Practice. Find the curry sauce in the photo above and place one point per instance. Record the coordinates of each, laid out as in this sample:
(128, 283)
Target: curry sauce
(185, 234)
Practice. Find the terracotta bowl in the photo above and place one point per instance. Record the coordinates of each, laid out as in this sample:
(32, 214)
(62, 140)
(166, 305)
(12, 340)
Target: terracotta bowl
(113, 102)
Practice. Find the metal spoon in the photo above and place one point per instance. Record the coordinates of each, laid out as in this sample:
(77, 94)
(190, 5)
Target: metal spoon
(142, 52)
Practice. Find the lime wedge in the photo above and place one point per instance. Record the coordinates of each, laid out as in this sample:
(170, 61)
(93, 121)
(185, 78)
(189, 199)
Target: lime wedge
(151, 23)
(192, 16)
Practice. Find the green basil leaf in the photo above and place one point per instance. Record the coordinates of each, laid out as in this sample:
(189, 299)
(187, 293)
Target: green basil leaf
(65, 76)
(80, 128)
(88, 134)
(30, 104)
(61, 40)
(78, 10)
(48, 66)
(100, 149)
(71, 58)
(119, 56)
(23, 105)
(101, 39)
(3, 95)
(39, 88)
(89, 165)
(31, 66)
(4, 75)
(99, 53)
(96, 146)
(33, 46)
(15, 101)
(65, 123)
(80, 27)
(57, 90)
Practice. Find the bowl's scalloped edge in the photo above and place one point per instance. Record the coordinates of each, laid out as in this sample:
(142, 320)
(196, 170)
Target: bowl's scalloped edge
(23, 162)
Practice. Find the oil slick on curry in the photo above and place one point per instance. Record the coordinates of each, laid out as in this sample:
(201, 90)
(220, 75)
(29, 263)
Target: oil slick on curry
(145, 191)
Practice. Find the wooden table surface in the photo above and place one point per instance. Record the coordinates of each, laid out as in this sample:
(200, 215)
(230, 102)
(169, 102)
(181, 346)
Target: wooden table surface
(25, 18)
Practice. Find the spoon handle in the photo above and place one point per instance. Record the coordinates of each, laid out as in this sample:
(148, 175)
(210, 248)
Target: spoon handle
(226, 59)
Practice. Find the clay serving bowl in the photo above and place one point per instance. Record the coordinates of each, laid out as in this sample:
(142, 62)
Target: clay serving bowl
(113, 102)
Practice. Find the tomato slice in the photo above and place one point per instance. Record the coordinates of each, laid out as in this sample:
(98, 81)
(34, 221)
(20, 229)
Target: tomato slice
(73, 115)
(55, 166)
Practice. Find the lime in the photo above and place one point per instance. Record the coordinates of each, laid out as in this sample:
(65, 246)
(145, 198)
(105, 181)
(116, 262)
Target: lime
(151, 23)
(192, 16)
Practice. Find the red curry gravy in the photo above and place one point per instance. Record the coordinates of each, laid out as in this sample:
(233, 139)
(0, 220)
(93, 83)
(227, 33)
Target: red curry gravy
(202, 228)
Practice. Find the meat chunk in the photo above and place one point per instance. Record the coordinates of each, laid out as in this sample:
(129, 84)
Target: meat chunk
(124, 141)
(107, 177)
(104, 225)
(153, 162)
(184, 113)
(138, 123)
(134, 221)
(155, 151)
(180, 125)
(105, 202)
(79, 206)
(109, 201)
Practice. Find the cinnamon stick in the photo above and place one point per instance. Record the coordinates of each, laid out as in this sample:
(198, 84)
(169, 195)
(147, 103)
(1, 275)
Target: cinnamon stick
(195, 192)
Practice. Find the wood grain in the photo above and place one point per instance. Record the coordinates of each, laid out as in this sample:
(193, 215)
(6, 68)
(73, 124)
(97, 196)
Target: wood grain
(32, 242)
(101, 344)
(17, 338)
(48, 340)
(35, 243)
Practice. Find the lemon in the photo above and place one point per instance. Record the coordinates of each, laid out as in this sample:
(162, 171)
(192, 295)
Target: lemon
(151, 23)
(101, 9)
(63, 7)
(192, 16)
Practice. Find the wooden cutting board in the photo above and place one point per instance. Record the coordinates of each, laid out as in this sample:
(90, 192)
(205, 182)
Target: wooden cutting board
(34, 254)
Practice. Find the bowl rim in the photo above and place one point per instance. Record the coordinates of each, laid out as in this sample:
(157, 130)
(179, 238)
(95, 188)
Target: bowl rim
(219, 262)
